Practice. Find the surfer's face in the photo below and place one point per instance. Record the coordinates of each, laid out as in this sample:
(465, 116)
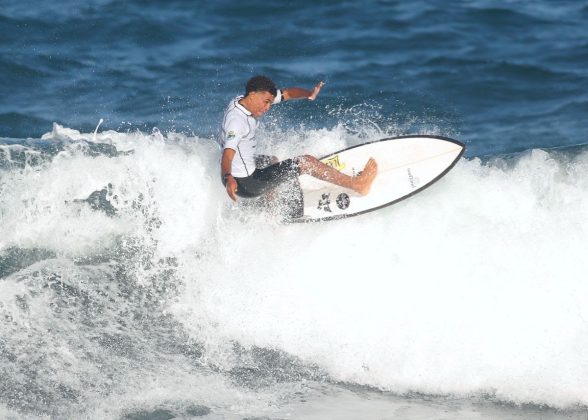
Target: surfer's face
(258, 103)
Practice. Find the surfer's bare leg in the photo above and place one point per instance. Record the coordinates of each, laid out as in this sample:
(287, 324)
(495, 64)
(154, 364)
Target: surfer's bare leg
(360, 183)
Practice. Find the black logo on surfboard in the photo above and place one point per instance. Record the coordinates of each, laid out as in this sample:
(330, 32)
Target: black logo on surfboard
(343, 201)
(325, 202)
(412, 180)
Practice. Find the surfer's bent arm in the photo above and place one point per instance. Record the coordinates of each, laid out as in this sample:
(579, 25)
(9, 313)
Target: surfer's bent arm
(300, 93)
(226, 164)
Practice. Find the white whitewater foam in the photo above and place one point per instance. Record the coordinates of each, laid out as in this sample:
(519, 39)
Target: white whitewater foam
(160, 179)
(475, 286)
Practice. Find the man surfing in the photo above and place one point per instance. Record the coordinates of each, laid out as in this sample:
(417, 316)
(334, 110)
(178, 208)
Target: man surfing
(241, 171)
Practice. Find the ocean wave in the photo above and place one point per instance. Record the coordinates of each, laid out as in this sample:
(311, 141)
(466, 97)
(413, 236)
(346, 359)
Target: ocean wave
(505, 17)
(18, 73)
(471, 288)
(495, 311)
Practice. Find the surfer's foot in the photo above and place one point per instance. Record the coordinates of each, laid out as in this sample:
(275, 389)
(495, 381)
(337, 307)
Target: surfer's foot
(363, 181)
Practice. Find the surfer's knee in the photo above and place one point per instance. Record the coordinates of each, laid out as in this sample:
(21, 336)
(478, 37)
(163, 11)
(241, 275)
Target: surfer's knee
(306, 163)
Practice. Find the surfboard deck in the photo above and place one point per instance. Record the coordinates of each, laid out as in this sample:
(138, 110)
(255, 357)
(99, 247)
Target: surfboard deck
(406, 166)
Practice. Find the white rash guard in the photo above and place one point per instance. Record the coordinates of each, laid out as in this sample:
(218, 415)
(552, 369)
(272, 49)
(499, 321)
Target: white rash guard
(238, 133)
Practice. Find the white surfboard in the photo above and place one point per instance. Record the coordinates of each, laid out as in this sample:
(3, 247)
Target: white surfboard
(406, 165)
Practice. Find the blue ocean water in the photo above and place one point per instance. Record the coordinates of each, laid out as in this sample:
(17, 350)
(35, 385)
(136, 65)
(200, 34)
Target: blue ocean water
(503, 75)
(131, 288)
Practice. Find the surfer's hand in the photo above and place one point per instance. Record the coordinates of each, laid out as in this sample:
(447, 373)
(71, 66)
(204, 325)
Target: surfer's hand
(316, 90)
(232, 187)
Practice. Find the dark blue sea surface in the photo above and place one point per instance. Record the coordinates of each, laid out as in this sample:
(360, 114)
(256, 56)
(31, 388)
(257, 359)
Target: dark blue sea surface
(504, 76)
(132, 288)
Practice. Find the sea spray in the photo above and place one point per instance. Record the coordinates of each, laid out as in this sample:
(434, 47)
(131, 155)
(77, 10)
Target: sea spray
(473, 287)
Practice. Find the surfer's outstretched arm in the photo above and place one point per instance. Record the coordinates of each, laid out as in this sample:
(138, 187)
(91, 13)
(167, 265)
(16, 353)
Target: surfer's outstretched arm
(300, 93)
(360, 183)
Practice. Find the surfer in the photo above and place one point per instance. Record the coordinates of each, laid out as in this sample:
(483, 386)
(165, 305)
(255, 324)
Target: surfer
(241, 170)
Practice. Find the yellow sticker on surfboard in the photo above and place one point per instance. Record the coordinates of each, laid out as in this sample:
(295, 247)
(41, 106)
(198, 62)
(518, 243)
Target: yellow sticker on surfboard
(334, 162)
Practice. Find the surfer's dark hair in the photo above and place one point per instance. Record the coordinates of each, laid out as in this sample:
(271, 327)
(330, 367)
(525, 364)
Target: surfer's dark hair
(260, 84)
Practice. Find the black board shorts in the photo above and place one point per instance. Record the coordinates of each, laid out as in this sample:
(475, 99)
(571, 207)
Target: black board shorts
(266, 178)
